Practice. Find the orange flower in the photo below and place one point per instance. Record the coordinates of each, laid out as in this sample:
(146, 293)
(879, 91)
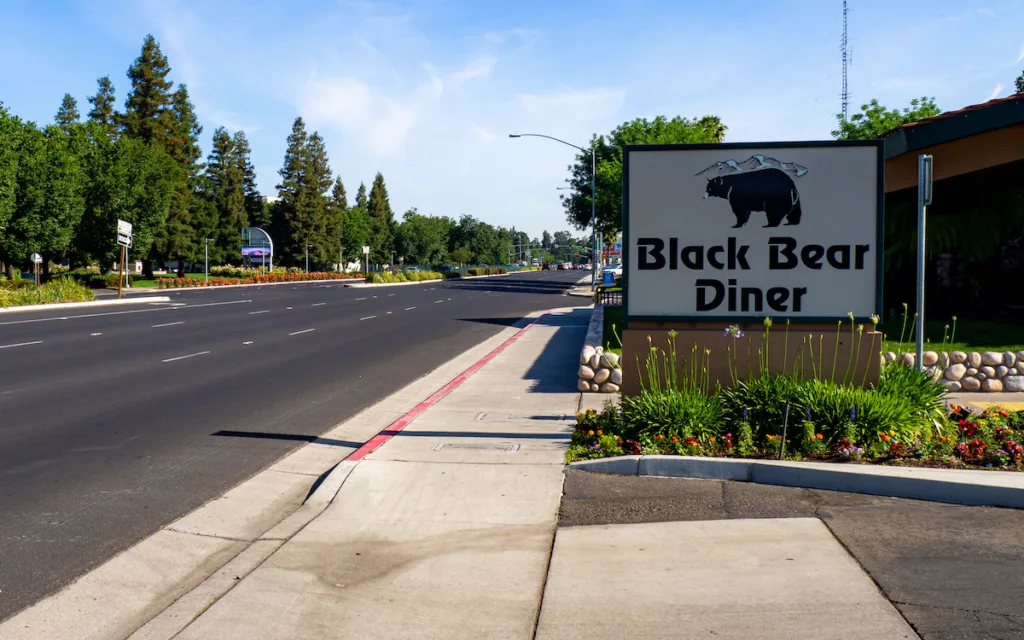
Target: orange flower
(675, 439)
(590, 433)
(885, 437)
(600, 433)
(659, 437)
(819, 436)
(711, 439)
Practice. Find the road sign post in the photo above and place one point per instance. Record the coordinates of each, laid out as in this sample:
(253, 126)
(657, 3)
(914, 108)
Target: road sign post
(924, 198)
(36, 260)
(366, 252)
(124, 238)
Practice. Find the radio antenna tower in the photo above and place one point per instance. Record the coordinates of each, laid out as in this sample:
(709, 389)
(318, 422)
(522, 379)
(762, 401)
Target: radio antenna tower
(844, 47)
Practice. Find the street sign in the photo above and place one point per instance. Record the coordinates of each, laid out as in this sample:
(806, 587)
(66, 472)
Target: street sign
(366, 250)
(124, 233)
(36, 258)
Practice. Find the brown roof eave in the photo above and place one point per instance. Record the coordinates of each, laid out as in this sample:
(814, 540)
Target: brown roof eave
(953, 125)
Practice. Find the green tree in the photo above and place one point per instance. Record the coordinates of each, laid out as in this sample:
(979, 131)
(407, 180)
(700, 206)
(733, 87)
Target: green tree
(324, 229)
(225, 176)
(127, 179)
(150, 96)
(356, 229)
(1019, 82)
(339, 198)
(286, 224)
(179, 240)
(660, 130)
(67, 115)
(337, 207)
(461, 255)
(421, 239)
(303, 216)
(379, 209)
(874, 120)
(361, 196)
(10, 129)
(103, 111)
(254, 204)
(546, 239)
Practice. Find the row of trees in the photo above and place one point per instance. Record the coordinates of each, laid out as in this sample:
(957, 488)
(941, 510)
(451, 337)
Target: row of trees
(64, 185)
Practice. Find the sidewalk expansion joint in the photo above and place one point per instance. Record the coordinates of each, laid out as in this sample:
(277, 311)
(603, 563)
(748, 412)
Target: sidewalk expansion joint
(209, 535)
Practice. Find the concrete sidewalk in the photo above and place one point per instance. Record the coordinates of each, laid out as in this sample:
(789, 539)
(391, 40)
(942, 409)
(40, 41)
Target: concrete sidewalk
(445, 531)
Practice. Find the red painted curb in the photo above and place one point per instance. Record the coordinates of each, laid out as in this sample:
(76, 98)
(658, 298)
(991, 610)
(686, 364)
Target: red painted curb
(376, 441)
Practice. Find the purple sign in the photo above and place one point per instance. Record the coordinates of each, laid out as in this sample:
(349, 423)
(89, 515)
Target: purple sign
(256, 251)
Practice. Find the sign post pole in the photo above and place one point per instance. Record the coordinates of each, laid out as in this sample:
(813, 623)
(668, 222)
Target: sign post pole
(120, 274)
(924, 198)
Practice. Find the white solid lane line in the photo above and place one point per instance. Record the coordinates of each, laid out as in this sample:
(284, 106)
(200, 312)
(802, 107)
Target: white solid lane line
(358, 299)
(166, 324)
(390, 294)
(252, 313)
(20, 344)
(409, 308)
(368, 318)
(295, 333)
(247, 342)
(438, 301)
(319, 304)
(191, 355)
(389, 313)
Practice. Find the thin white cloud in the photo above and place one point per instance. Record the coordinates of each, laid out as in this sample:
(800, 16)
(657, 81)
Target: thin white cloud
(481, 67)
(587, 105)
(483, 134)
(995, 92)
(1020, 56)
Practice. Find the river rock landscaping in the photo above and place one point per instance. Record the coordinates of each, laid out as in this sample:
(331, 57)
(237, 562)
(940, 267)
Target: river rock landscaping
(989, 371)
(599, 371)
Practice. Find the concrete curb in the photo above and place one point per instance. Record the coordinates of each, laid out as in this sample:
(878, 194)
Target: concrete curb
(256, 284)
(968, 487)
(399, 284)
(84, 305)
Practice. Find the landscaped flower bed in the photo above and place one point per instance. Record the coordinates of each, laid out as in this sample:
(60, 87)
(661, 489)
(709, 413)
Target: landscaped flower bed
(266, 278)
(827, 416)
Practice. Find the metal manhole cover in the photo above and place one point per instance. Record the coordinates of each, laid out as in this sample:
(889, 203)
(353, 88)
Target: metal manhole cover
(470, 446)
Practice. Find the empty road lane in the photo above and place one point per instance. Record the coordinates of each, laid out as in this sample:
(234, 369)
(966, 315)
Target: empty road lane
(108, 415)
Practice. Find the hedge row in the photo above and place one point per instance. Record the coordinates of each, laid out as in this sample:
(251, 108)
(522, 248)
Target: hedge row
(487, 271)
(266, 278)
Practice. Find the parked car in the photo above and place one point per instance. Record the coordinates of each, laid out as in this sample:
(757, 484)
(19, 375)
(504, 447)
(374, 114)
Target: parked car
(614, 269)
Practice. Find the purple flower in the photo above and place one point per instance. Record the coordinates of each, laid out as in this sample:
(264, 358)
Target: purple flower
(744, 414)
(808, 413)
(733, 331)
(853, 413)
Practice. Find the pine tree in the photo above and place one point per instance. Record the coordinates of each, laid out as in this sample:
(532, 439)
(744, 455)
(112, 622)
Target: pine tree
(361, 197)
(224, 190)
(254, 205)
(338, 196)
(287, 225)
(10, 128)
(379, 210)
(182, 130)
(323, 232)
(67, 115)
(103, 112)
(150, 97)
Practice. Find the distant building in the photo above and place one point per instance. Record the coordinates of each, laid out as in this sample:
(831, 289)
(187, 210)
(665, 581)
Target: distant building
(270, 199)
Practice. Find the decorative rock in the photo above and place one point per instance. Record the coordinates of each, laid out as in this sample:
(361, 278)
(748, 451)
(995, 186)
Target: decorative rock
(1009, 359)
(585, 373)
(908, 359)
(616, 377)
(610, 360)
(981, 376)
(930, 358)
(974, 359)
(583, 385)
(1020, 356)
(1013, 383)
(890, 356)
(989, 372)
(1020, 366)
(971, 371)
(951, 385)
(958, 357)
(943, 360)
(1001, 371)
(608, 387)
(595, 361)
(601, 376)
(955, 372)
(970, 384)
(588, 353)
(594, 387)
(991, 358)
(991, 385)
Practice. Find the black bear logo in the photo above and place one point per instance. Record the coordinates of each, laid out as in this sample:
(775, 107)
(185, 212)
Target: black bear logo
(757, 184)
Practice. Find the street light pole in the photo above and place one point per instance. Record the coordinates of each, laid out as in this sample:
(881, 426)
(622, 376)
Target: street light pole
(206, 259)
(341, 257)
(593, 196)
(307, 257)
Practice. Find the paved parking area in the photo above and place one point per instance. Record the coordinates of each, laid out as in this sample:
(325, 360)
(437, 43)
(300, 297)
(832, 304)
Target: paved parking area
(952, 571)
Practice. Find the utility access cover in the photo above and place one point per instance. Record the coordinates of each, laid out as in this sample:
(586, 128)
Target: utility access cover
(472, 446)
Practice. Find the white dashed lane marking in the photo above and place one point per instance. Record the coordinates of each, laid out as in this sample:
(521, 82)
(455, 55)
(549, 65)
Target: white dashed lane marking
(191, 355)
(20, 344)
(295, 333)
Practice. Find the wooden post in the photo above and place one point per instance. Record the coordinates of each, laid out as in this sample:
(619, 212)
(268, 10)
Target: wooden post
(120, 274)
(36, 264)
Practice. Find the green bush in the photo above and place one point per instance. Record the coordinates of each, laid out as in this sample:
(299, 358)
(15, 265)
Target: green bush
(57, 290)
(387, 277)
(762, 402)
(681, 413)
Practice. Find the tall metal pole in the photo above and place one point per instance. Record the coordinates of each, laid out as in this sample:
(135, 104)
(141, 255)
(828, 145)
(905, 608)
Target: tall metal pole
(924, 198)
(307, 258)
(341, 257)
(206, 259)
(593, 215)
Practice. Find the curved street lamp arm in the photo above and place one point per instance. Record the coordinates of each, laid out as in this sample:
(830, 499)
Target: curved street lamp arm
(541, 135)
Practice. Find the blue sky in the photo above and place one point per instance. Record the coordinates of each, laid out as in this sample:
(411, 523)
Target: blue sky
(427, 91)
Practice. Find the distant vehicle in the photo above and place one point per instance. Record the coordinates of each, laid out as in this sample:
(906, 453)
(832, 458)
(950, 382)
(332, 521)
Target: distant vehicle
(561, 266)
(536, 262)
(546, 267)
(412, 270)
(614, 269)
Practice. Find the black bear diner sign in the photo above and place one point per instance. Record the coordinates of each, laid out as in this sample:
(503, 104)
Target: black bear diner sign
(743, 231)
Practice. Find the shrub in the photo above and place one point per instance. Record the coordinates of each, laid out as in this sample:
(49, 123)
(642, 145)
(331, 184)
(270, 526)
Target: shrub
(762, 401)
(57, 290)
(923, 394)
(681, 413)
(487, 271)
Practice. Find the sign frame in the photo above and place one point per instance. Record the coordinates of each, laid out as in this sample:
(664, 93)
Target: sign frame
(627, 239)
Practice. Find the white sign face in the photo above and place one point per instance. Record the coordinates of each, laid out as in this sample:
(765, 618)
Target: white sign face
(366, 250)
(738, 231)
(124, 228)
(36, 258)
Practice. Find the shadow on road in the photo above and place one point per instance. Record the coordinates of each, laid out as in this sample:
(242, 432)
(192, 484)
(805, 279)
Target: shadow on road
(287, 436)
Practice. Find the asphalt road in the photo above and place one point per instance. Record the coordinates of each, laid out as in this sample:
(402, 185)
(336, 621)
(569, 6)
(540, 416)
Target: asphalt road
(109, 416)
(953, 572)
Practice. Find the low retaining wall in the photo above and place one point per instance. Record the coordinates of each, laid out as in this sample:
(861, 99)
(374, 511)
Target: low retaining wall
(989, 371)
(599, 372)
